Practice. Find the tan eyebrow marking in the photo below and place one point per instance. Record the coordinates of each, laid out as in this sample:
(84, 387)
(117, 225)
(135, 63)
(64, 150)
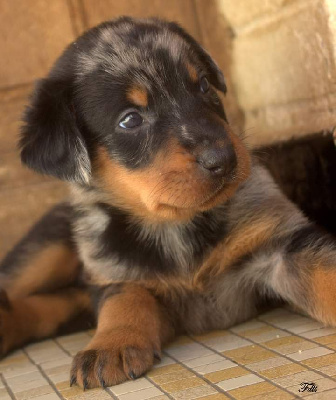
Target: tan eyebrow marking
(138, 95)
(192, 71)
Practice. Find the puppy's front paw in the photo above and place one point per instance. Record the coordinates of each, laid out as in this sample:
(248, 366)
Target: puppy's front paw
(112, 358)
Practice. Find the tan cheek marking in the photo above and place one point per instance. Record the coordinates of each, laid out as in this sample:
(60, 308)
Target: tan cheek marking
(192, 71)
(139, 191)
(52, 267)
(240, 242)
(138, 96)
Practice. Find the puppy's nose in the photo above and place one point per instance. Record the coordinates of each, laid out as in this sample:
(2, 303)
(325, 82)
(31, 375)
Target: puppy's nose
(218, 161)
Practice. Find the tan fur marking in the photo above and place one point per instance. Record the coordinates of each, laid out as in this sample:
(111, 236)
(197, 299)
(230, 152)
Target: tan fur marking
(324, 290)
(240, 242)
(53, 267)
(138, 96)
(192, 71)
(40, 316)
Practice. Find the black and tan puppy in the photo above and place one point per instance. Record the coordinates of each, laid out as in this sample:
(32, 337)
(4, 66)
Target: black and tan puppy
(171, 225)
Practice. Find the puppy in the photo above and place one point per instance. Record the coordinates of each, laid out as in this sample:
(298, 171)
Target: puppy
(172, 226)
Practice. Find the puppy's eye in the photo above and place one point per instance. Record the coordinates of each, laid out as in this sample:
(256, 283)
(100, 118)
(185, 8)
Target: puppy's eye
(131, 120)
(204, 85)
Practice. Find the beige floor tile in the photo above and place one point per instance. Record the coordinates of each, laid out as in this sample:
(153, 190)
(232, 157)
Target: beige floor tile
(166, 369)
(268, 335)
(194, 393)
(322, 385)
(175, 376)
(325, 339)
(320, 361)
(49, 396)
(296, 379)
(277, 394)
(18, 370)
(328, 395)
(250, 354)
(20, 387)
(131, 386)
(319, 333)
(205, 360)
(329, 370)
(241, 381)
(4, 394)
(41, 29)
(248, 326)
(252, 390)
(183, 384)
(296, 347)
(285, 341)
(301, 329)
(206, 369)
(165, 361)
(180, 11)
(189, 351)
(210, 335)
(306, 354)
(283, 370)
(141, 394)
(31, 376)
(269, 363)
(225, 374)
(217, 396)
(227, 342)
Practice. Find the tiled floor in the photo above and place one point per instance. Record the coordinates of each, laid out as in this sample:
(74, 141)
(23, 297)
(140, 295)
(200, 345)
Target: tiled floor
(265, 358)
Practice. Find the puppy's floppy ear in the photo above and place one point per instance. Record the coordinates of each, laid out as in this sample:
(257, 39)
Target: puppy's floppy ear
(51, 142)
(216, 76)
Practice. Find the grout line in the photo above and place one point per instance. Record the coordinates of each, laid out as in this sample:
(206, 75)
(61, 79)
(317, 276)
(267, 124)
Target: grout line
(244, 366)
(83, 14)
(213, 385)
(44, 375)
(295, 361)
(158, 387)
(72, 18)
(17, 86)
(9, 390)
(198, 22)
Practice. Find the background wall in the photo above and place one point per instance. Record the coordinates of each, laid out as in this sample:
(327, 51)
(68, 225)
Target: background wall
(284, 65)
(278, 57)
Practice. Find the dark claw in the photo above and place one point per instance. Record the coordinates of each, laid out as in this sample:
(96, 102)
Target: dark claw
(132, 375)
(157, 355)
(85, 384)
(102, 383)
(73, 380)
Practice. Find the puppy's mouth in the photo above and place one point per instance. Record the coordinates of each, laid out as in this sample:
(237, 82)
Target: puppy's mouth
(205, 202)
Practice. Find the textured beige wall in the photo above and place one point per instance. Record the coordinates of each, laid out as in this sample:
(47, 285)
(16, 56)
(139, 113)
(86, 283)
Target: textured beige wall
(283, 65)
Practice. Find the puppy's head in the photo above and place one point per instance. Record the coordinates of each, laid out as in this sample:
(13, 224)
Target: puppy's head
(131, 110)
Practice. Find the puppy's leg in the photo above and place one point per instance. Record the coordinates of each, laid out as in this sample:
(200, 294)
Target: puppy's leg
(132, 327)
(45, 258)
(304, 273)
(38, 316)
(44, 261)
